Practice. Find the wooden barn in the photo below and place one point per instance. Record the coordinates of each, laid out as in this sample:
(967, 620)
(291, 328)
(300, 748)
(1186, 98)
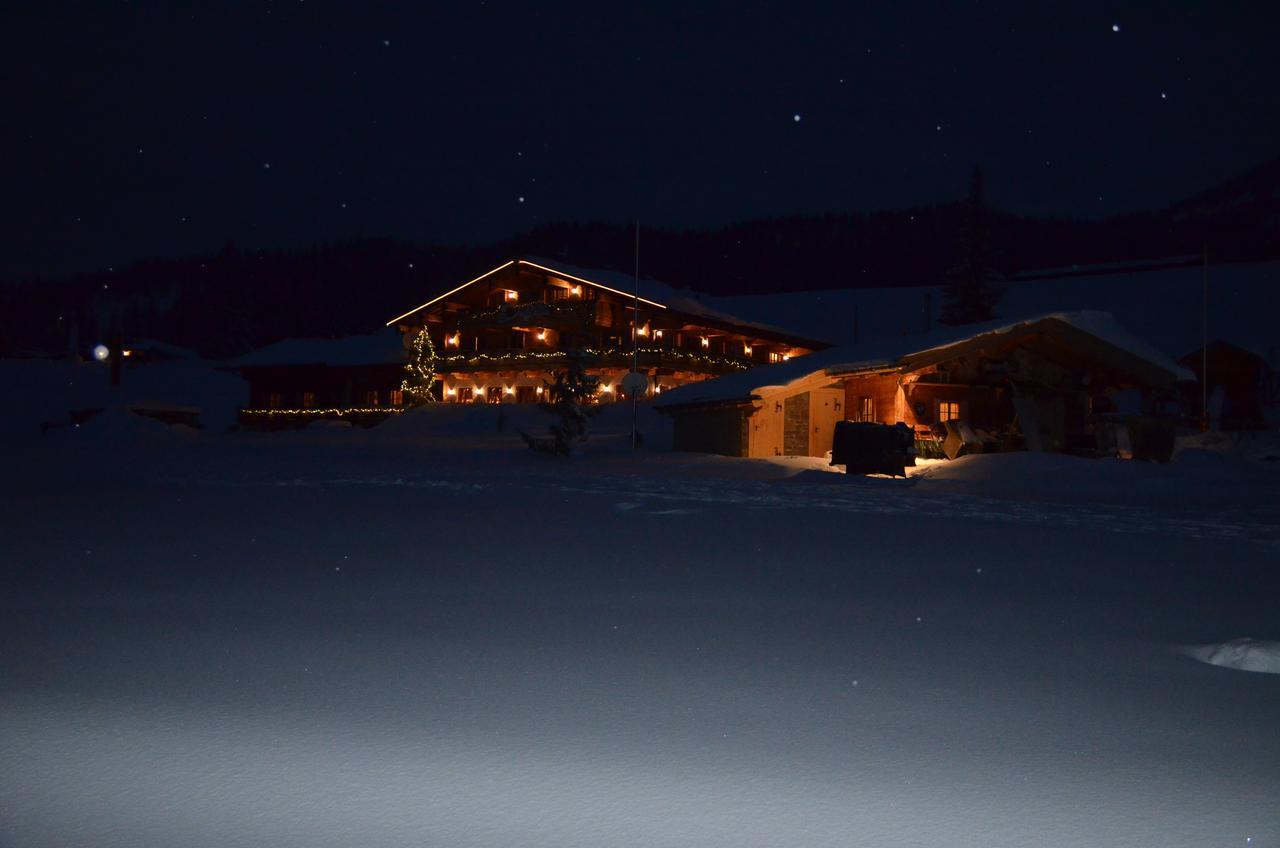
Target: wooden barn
(1238, 387)
(1043, 383)
(499, 337)
(296, 381)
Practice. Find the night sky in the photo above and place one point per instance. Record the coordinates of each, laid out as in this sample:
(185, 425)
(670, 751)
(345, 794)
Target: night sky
(137, 130)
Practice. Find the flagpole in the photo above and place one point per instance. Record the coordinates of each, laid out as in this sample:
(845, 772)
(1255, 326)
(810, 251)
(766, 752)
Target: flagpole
(635, 336)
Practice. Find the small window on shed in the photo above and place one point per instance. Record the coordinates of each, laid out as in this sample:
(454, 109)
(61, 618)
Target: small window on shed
(371, 397)
(308, 400)
(948, 410)
(273, 400)
(397, 397)
(866, 409)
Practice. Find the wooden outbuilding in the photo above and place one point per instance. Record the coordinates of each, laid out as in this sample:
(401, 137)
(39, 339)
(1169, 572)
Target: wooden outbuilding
(1238, 386)
(1041, 383)
(296, 381)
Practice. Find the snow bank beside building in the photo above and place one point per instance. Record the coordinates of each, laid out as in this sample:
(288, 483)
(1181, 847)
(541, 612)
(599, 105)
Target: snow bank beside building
(1240, 654)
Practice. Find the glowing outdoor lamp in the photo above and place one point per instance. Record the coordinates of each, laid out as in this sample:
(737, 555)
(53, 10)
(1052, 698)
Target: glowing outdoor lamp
(706, 342)
(101, 352)
(511, 295)
(542, 335)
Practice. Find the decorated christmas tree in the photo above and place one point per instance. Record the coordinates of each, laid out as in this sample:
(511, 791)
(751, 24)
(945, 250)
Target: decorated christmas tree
(420, 370)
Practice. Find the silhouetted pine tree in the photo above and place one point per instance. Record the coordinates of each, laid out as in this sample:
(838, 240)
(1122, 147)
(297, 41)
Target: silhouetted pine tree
(568, 399)
(972, 288)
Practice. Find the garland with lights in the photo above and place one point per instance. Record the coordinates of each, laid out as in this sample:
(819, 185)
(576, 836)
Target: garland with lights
(593, 357)
(368, 410)
(421, 369)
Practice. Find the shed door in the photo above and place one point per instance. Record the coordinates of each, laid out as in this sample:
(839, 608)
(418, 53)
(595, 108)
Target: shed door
(826, 407)
(765, 437)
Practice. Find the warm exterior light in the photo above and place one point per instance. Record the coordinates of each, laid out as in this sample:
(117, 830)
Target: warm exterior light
(542, 335)
(512, 295)
(539, 390)
(126, 353)
(607, 389)
(657, 334)
(101, 352)
(746, 350)
(643, 331)
(706, 342)
(575, 291)
(509, 390)
(785, 357)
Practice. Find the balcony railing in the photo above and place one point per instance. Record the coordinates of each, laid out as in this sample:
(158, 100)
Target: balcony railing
(520, 358)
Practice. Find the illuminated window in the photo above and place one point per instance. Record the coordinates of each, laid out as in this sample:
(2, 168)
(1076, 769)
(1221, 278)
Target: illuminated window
(397, 397)
(866, 409)
(308, 400)
(273, 400)
(371, 397)
(774, 356)
(494, 394)
(948, 410)
(464, 393)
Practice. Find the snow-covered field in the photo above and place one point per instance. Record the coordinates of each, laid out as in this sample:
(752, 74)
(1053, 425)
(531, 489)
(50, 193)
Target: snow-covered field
(423, 634)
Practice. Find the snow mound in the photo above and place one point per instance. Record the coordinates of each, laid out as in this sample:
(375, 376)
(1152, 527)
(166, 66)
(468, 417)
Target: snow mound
(1241, 654)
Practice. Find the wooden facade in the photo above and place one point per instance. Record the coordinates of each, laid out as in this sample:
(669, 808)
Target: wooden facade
(500, 337)
(1043, 385)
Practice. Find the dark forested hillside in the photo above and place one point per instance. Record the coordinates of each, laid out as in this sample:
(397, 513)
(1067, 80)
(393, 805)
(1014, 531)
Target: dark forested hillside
(224, 304)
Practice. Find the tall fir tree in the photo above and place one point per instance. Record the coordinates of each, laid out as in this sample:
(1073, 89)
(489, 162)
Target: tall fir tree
(973, 283)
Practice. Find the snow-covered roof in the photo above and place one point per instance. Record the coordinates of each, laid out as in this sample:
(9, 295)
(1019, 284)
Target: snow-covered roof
(887, 354)
(652, 292)
(378, 348)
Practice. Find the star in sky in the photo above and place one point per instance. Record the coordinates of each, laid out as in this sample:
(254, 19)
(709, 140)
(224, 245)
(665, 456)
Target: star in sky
(1115, 27)
(795, 117)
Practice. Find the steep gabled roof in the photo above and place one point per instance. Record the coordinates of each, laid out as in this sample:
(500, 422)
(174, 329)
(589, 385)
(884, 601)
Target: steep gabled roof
(651, 293)
(903, 352)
